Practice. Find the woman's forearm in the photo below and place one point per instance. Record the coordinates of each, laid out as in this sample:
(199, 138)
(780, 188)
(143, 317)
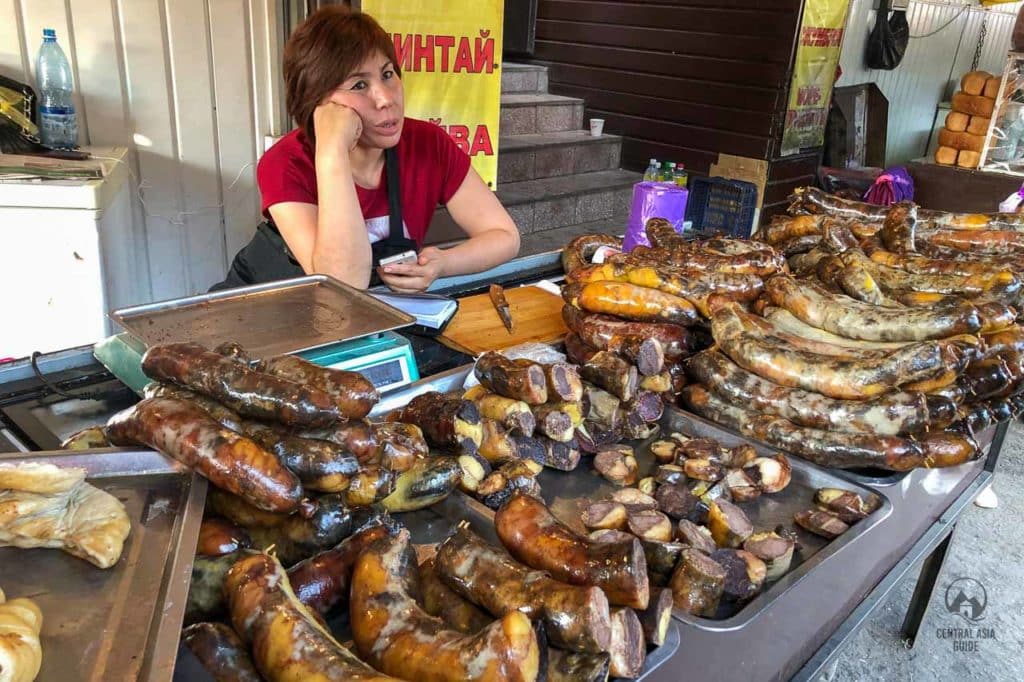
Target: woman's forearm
(341, 248)
(482, 252)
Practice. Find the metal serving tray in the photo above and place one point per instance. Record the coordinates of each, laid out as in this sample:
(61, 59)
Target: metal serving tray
(427, 528)
(569, 493)
(122, 623)
(287, 316)
(432, 525)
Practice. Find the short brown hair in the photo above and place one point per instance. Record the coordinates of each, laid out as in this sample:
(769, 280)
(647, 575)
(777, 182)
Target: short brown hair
(321, 53)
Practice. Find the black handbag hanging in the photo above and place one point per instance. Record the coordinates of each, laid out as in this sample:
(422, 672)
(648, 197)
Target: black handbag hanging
(888, 40)
(267, 258)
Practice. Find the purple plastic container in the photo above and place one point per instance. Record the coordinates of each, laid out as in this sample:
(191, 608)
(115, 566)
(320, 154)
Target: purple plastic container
(654, 200)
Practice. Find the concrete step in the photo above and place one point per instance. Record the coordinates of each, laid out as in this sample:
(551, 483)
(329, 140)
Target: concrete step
(552, 203)
(523, 78)
(546, 155)
(526, 114)
(551, 240)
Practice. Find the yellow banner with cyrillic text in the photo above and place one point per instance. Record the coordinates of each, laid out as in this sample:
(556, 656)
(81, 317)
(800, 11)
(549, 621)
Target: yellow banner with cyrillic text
(449, 52)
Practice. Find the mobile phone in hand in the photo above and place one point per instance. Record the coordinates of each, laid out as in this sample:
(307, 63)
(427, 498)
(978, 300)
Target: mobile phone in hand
(405, 257)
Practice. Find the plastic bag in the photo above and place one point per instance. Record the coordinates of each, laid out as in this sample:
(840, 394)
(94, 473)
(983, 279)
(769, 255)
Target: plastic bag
(654, 200)
(19, 133)
(888, 40)
(892, 186)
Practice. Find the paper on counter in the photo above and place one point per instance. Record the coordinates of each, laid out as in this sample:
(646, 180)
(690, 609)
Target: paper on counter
(548, 286)
(531, 350)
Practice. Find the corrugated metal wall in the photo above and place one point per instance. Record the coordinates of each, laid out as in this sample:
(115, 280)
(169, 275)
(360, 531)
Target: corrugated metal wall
(188, 86)
(942, 46)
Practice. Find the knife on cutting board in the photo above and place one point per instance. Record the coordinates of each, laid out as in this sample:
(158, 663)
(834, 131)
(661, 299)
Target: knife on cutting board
(501, 305)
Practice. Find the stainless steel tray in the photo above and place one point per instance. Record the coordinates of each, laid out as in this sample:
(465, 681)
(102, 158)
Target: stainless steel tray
(287, 316)
(569, 493)
(432, 525)
(122, 623)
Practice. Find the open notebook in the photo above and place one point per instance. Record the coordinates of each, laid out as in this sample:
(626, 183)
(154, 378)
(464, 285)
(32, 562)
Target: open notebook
(430, 310)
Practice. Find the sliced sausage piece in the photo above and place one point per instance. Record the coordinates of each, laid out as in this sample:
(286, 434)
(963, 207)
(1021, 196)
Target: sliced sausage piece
(697, 584)
(729, 526)
(627, 650)
(744, 573)
(676, 500)
(634, 499)
(825, 524)
(657, 617)
(696, 536)
(650, 525)
(605, 515)
(774, 550)
(617, 464)
(612, 373)
(846, 504)
(501, 375)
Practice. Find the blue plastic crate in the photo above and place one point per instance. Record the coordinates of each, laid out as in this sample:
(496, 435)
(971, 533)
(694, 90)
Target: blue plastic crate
(721, 206)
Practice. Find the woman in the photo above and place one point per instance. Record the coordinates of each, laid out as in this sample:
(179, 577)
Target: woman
(357, 181)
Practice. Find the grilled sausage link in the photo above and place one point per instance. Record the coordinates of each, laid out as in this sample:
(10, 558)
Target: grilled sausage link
(535, 537)
(248, 392)
(825, 448)
(576, 617)
(395, 635)
(231, 462)
(891, 414)
(219, 650)
(857, 320)
(287, 642)
(354, 394)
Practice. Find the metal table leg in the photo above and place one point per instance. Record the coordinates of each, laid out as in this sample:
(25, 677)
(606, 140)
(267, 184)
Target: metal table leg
(997, 445)
(931, 568)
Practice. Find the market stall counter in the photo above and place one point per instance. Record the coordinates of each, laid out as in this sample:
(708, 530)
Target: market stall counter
(792, 628)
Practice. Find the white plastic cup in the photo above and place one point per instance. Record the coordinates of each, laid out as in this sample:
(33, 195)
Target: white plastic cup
(596, 127)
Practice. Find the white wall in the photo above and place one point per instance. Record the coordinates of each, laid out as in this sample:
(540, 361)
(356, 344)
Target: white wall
(932, 65)
(190, 87)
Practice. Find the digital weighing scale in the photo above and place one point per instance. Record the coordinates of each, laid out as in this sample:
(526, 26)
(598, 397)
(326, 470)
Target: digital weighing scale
(304, 316)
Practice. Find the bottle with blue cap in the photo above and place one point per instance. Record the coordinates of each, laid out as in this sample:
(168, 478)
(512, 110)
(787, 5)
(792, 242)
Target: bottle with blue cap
(58, 120)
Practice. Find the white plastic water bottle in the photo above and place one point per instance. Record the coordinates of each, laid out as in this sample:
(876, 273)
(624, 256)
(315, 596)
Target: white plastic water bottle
(651, 174)
(58, 120)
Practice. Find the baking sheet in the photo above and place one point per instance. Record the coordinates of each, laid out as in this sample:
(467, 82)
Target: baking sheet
(432, 525)
(569, 493)
(287, 316)
(122, 623)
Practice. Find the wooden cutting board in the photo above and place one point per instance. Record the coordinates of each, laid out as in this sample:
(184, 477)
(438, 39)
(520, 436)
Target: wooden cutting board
(476, 327)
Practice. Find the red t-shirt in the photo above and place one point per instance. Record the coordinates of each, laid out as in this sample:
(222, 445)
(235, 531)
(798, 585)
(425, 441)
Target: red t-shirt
(431, 169)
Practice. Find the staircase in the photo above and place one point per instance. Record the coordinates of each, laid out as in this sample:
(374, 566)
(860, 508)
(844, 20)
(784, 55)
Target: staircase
(555, 180)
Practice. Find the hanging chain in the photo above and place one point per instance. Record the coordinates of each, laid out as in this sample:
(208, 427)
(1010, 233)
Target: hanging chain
(981, 42)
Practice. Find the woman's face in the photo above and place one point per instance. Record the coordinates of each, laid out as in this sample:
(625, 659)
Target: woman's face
(375, 92)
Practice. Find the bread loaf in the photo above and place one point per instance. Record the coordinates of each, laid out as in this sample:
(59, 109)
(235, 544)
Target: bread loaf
(968, 159)
(957, 121)
(973, 82)
(974, 143)
(974, 105)
(978, 125)
(945, 156)
(991, 87)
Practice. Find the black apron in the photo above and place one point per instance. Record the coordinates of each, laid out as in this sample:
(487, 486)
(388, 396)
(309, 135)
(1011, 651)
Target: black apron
(267, 258)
